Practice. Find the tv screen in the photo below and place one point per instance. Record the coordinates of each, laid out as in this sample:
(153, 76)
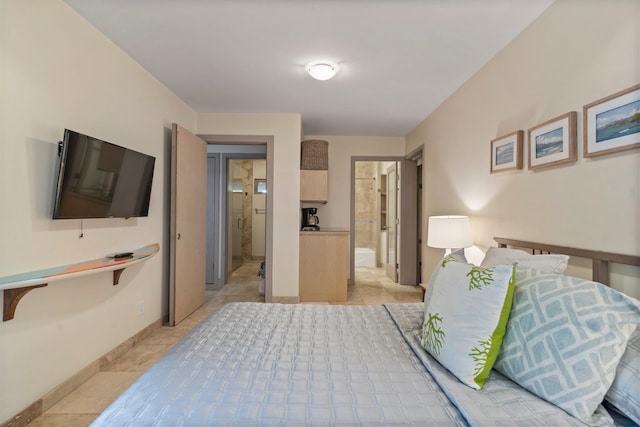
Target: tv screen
(97, 179)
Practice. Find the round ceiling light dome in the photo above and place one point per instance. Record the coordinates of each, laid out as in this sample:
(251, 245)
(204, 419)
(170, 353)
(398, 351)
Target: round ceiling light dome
(322, 70)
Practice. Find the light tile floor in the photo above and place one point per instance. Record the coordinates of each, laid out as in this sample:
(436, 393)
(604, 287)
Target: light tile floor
(84, 404)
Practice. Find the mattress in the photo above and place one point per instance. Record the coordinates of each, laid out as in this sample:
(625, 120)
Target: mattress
(275, 364)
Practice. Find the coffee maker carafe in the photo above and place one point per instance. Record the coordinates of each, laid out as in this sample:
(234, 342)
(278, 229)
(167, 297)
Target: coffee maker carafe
(310, 220)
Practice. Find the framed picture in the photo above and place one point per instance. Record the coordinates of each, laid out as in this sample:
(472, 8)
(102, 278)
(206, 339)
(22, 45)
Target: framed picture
(612, 124)
(553, 142)
(506, 152)
(259, 186)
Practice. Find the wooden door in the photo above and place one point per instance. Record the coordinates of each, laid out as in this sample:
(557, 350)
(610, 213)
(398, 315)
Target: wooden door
(188, 224)
(408, 232)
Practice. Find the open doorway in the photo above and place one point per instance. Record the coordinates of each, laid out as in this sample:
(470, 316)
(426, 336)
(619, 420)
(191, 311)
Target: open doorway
(384, 217)
(246, 213)
(375, 209)
(237, 210)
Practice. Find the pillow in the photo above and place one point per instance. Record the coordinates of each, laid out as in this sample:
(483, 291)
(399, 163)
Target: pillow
(564, 339)
(546, 263)
(465, 318)
(624, 394)
(453, 256)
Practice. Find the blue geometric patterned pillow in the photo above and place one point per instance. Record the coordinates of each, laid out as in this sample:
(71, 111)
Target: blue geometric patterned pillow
(565, 338)
(624, 394)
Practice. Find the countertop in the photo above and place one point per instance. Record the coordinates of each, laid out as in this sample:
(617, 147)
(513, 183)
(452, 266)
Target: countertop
(326, 230)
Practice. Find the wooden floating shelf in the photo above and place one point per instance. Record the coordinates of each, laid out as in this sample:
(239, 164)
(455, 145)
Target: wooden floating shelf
(17, 286)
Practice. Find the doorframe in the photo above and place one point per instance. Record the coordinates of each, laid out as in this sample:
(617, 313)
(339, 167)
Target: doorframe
(268, 140)
(213, 205)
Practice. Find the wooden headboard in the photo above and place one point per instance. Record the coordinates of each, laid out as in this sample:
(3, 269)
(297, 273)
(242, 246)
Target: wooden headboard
(600, 260)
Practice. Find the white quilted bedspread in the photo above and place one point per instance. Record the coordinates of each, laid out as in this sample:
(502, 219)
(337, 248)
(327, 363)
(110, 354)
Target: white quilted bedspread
(252, 364)
(272, 364)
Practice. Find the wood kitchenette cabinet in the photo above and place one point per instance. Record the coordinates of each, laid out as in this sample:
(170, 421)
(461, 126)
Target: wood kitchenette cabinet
(324, 263)
(314, 186)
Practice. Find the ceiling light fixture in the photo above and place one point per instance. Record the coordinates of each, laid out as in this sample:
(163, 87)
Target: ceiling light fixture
(322, 70)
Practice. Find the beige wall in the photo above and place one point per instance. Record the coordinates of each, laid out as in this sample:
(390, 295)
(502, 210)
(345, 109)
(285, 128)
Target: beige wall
(285, 129)
(336, 213)
(57, 72)
(576, 52)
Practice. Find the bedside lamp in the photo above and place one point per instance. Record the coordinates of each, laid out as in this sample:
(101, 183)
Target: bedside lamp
(449, 232)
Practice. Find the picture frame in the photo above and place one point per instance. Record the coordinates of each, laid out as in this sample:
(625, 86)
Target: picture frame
(259, 186)
(506, 152)
(612, 124)
(553, 142)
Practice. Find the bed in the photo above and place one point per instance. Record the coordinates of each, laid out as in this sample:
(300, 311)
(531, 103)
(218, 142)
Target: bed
(277, 364)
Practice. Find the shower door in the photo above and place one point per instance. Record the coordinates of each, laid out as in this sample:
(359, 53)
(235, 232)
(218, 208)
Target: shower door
(237, 223)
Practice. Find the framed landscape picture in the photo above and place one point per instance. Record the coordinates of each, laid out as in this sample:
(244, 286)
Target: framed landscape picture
(553, 142)
(612, 124)
(506, 152)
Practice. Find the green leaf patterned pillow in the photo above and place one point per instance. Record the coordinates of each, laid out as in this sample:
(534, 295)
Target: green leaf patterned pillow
(466, 317)
(453, 256)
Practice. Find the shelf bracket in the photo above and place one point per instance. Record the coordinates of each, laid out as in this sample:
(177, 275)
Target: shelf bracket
(116, 276)
(11, 299)
(13, 296)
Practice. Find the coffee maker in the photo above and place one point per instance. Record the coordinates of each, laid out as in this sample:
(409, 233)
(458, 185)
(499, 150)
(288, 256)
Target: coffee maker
(310, 220)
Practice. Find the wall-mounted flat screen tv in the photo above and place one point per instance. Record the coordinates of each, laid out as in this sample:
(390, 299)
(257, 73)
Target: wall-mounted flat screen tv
(97, 179)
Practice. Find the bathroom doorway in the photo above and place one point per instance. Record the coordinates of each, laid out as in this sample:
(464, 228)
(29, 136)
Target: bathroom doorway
(372, 206)
(384, 217)
(233, 180)
(246, 211)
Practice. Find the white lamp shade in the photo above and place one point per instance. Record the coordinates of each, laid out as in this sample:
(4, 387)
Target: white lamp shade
(449, 231)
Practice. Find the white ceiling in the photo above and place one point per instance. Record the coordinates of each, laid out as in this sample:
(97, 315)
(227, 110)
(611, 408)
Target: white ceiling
(398, 59)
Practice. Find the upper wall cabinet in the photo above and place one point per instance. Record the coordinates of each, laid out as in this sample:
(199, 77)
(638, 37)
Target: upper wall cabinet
(314, 186)
(314, 173)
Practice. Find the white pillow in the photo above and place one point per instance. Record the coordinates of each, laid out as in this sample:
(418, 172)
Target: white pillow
(551, 263)
(565, 338)
(465, 318)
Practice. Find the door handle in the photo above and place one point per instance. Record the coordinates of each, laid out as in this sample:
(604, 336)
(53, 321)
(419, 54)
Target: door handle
(178, 236)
